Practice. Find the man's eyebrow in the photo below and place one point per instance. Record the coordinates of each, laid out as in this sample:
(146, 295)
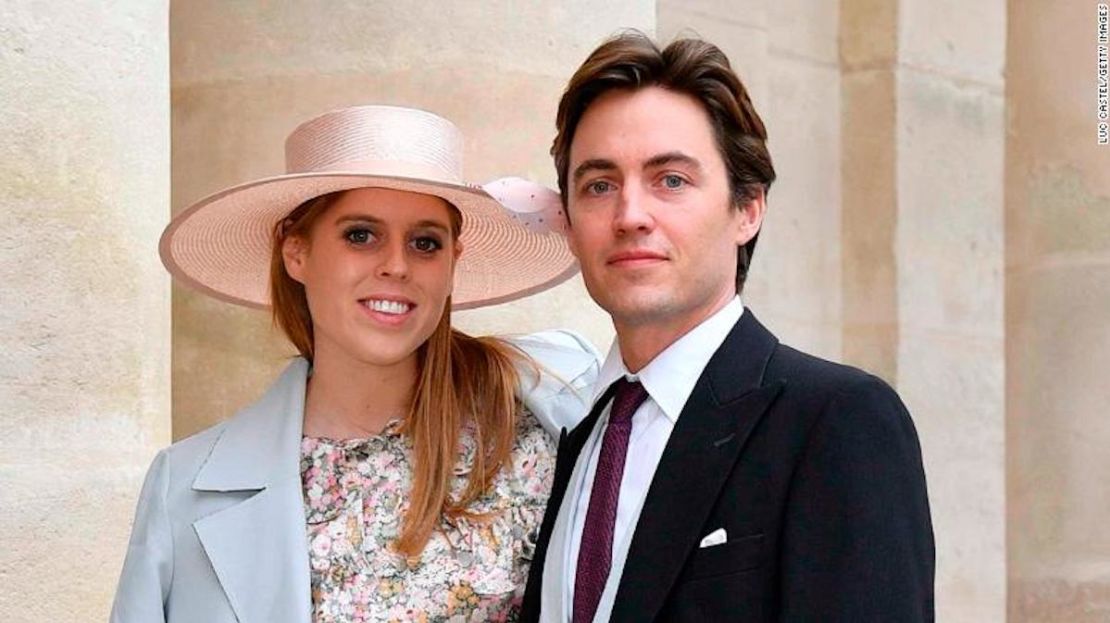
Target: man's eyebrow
(595, 164)
(672, 157)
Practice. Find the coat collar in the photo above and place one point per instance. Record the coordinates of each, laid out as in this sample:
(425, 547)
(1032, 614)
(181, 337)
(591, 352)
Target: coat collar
(261, 444)
(727, 403)
(258, 544)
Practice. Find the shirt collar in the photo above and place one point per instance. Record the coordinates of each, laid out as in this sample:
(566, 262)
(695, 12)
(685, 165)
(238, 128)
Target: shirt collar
(670, 378)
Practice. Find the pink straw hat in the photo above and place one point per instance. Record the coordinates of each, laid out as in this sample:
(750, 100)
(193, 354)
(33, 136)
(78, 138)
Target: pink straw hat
(512, 232)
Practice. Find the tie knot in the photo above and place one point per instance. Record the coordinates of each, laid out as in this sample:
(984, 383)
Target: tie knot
(628, 398)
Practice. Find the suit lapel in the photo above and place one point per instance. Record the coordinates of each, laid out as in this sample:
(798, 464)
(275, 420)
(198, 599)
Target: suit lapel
(570, 446)
(258, 544)
(727, 403)
(569, 450)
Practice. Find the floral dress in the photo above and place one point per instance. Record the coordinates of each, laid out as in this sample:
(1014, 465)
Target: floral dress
(355, 495)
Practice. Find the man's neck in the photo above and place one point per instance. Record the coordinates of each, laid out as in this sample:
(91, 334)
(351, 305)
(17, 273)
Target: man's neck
(642, 342)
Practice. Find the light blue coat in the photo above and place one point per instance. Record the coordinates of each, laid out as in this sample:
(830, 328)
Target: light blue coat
(219, 533)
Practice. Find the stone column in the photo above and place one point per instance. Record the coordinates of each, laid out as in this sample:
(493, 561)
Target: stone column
(923, 291)
(85, 317)
(244, 75)
(1057, 317)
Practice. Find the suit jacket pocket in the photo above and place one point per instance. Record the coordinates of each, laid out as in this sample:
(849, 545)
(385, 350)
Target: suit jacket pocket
(733, 557)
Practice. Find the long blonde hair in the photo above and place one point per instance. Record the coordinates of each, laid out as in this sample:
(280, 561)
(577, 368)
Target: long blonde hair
(461, 379)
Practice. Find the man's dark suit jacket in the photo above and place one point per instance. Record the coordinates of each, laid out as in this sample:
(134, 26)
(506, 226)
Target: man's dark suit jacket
(814, 471)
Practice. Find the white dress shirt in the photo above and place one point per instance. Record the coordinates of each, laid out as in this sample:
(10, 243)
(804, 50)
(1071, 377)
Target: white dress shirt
(669, 380)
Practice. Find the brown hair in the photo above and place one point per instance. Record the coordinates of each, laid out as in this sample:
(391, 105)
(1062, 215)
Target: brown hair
(462, 380)
(631, 61)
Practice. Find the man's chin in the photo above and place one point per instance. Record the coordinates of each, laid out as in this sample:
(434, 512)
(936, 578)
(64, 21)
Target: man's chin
(646, 308)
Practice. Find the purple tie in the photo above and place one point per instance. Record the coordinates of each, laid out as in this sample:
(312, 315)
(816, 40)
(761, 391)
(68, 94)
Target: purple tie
(595, 552)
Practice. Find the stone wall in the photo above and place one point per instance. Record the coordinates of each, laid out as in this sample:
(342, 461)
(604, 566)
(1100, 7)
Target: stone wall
(1057, 318)
(85, 303)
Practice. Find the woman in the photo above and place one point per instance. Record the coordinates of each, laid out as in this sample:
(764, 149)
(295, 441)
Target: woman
(394, 471)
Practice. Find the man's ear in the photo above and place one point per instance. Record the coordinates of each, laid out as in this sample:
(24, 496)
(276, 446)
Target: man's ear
(569, 233)
(294, 254)
(750, 218)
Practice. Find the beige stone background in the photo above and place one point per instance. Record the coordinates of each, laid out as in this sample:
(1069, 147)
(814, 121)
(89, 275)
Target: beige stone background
(942, 218)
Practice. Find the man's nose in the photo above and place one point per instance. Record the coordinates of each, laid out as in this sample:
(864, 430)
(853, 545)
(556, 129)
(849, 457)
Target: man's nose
(633, 211)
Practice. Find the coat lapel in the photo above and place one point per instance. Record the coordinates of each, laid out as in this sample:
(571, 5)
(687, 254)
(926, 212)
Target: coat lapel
(728, 401)
(258, 545)
(570, 446)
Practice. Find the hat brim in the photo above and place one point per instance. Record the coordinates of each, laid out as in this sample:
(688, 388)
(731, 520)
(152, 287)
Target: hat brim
(221, 245)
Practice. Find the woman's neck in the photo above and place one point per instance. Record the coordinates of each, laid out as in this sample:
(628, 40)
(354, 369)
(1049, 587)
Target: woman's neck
(347, 399)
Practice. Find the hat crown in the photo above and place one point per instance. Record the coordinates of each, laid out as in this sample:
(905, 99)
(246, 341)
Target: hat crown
(380, 140)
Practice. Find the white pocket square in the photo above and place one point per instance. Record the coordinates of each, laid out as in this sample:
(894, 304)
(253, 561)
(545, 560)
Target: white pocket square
(717, 537)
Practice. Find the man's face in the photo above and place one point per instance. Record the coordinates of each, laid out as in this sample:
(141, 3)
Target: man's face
(651, 219)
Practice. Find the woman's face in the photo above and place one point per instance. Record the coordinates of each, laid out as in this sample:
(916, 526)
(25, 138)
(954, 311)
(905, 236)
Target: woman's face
(377, 268)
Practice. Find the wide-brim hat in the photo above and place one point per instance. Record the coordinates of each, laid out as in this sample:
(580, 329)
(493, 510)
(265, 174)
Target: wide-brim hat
(512, 229)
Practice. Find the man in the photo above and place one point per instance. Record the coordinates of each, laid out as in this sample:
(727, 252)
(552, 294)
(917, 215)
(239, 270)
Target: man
(719, 475)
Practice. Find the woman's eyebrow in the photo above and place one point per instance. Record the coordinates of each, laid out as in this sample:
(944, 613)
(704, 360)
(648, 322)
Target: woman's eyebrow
(429, 224)
(359, 218)
(373, 220)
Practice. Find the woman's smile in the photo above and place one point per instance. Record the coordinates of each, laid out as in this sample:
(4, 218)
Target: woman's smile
(388, 311)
